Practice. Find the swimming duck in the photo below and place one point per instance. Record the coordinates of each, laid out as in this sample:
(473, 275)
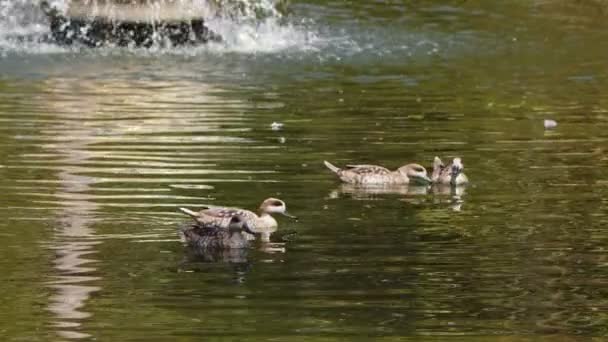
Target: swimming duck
(211, 236)
(452, 174)
(374, 174)
(264, 224)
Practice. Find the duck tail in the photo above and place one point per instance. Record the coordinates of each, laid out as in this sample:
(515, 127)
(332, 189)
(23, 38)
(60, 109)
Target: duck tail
(189, 212)
(332, 167)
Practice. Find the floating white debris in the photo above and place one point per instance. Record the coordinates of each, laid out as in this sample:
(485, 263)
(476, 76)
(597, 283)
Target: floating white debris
(192, 186)
(276, 126)
(549, 124)
(282, 140)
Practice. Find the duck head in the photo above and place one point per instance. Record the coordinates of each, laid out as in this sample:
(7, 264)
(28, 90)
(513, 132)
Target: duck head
(437, 168)
(275, 206)
(416, 173)
(457, 168)
(239, 224)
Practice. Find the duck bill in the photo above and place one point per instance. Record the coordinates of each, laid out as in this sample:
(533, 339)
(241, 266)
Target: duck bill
(290, 216)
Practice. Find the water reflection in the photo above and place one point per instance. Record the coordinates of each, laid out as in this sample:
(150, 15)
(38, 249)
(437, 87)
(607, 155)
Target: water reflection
(74, 243)
(84, 152)
(232, 255)
(225, 255)
(237, 261)
(414, 194)
(373, 192)
(452, 195)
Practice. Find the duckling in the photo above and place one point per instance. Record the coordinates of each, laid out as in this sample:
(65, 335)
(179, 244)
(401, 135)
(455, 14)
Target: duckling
(212, 236)
(374, 174)
(264, 224)
(452, 174)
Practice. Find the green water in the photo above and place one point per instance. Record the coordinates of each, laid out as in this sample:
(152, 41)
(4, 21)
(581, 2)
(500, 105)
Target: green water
(99, 147)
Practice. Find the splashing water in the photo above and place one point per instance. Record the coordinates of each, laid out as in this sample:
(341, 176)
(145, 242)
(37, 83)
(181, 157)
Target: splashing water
(260, 28)
(255, 26)
(22, 25)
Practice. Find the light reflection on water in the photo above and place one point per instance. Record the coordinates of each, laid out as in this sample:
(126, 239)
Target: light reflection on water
(73, 282)
(70, 151)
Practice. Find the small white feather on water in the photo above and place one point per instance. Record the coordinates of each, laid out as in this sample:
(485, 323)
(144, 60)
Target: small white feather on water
(549, 124)
(276, 126)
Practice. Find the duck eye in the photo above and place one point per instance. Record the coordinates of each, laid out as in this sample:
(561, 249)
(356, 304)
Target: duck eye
(418, 169)
(277, 204)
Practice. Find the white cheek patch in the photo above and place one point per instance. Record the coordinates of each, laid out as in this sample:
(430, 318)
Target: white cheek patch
(275, 209)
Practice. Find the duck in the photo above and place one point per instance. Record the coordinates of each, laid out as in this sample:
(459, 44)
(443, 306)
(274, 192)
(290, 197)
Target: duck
(263, 224)
(366, 174)
(452, 174)
(210, 235)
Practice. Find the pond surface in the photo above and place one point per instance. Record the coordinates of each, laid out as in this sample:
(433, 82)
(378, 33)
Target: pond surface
(99, 147)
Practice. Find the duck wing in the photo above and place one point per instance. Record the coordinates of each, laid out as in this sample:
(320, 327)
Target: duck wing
(446, 170)
(209, 237)
(217, 212)
(367, 169)
(224, 212)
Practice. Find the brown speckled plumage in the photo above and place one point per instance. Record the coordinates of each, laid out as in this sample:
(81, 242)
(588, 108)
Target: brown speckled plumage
(373, 174)
(452, 174)
(212, 236)
(263, 225)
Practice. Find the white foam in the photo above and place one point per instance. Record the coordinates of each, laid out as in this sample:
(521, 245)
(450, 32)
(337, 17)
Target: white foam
(265, 37)
(247, 27)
